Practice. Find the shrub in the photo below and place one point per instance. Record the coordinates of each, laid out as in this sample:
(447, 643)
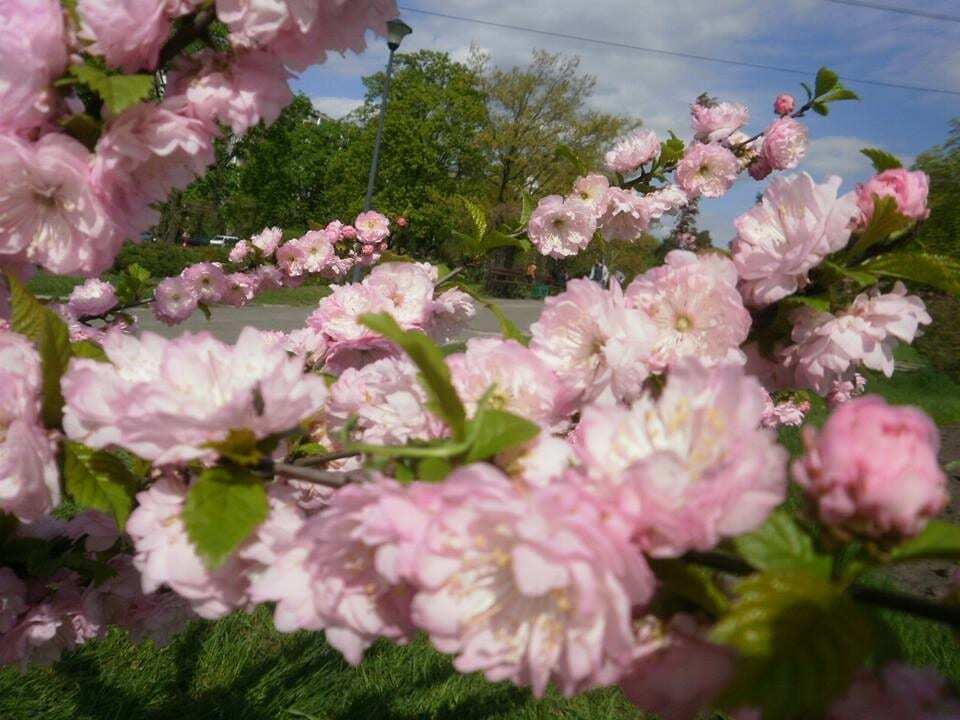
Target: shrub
(940, 341)
(165, 259)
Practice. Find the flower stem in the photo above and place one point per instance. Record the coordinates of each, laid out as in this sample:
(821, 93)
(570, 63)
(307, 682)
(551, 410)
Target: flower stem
(319, 477)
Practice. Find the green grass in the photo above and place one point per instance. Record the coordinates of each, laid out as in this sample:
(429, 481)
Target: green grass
(240, 668)
(303, 296)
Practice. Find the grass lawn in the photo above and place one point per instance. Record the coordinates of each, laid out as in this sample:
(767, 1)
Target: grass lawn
(241, 669)
(303, 296)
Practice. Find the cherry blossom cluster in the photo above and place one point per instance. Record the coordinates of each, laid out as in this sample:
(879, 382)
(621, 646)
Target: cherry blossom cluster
(42, 617)
(707, 167)
(81, 178)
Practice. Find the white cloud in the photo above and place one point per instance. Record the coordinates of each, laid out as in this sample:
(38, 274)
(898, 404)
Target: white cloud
(336, 107)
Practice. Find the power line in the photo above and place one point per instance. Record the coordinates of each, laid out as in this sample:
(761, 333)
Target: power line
(898, 9)
(672, 53)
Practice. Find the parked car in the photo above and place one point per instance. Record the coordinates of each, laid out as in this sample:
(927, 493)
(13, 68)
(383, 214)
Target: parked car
(224, 240)
(198, 240)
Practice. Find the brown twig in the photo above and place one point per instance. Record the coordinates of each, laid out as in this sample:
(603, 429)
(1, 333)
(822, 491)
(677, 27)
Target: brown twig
(326, 457)
(191, 30)
(319, 477)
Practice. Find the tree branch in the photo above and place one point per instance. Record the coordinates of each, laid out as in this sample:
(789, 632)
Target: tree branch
(875, 597)
(319, 477)
(190, 31)
(326, 457)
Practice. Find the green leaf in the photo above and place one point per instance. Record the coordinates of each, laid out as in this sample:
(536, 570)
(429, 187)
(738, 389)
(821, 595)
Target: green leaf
(820, 108)
(692, 583)
(88, 350)
(833, 272)
(223, 507)
(799, 640)
(39, 323)
(240, 446)
(671, 151)
(781, 544)
(508, 328)
(433, 469)
(205, 309)
(526, 209)
(940, 540)
(496, 239)
(808, 90)
(881, 159)
(117, 91)
(839, 93)
(478, 217)
(939, 271)
(434, 373)
(96, 479)
(886, 221)
(827, 80)
(564, 152)
(816, 302)
(82, 127)
(498, 430)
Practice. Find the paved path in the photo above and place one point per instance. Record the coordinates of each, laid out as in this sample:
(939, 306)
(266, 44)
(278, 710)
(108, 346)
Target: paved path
(227, 322)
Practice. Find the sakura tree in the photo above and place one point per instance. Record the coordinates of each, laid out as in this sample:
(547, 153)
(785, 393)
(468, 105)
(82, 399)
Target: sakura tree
(601, 502)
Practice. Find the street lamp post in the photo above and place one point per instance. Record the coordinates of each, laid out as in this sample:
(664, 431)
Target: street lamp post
(397, 30)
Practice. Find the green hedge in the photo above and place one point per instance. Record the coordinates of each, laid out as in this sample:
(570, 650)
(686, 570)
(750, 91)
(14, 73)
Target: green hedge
(940, 340)
(166, 260)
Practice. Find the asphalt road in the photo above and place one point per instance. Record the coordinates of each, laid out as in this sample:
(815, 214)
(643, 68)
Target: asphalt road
(227, 322)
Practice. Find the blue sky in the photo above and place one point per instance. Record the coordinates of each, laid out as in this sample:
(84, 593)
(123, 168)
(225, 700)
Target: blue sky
(857, 42)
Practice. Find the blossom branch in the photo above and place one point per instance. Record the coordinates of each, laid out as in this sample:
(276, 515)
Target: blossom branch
(196, 29)
(326, 457)
(318, 477)
(875, 597)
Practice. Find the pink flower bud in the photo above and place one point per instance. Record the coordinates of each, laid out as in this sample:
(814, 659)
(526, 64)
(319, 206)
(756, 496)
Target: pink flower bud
(873, 469)
(784, 104)
(349, 232)
(367, 249)
(759, 169)
(401, 222)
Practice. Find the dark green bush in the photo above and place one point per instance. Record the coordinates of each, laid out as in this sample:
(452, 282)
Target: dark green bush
(167, 260)
(940, 341)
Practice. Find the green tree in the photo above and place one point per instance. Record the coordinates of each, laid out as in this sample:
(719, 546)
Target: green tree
(430, 151)
(941, 232)
(533, 110)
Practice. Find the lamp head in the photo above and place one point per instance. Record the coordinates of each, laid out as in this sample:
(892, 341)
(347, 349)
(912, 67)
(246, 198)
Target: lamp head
(397, 30)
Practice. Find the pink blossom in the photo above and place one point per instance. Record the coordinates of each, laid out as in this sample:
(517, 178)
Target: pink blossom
(683, 676)
(593, 341)
(94, 297)
(909, 189)
(540, 462)
(788, 413)
(267, 241)
(664, 201)
(33, 53)
(632, 151)
(873, 469)
(318, 250)
(759, 168)
(691, 467)
(694, 304)
(796, 225)
(128, 35)
(708, 170)
(240, 252)
(174, 300)
(346, 570)
(348, 232)
(372, 227)
(292, 259)
(12, 599)
(99, 530)
(717, 121)
(239, 289)
(785, 143)
(29, 480)
(239, 90)
(449, 314)
(784, 104)
(164, 555)
(208, 386)
(561, 228)
(828, 347)
(300, 32)
(50, 213)
(626, 216)
(511, 377)
(207, 280)
(527, 586)
(842, 391)
(686, 241)
(267, 277)
(407, 288)
(896, 692)
(384, 402)
(401, 222)
(305, 343)
(146, 152)
(39, 638)
(592, 190)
